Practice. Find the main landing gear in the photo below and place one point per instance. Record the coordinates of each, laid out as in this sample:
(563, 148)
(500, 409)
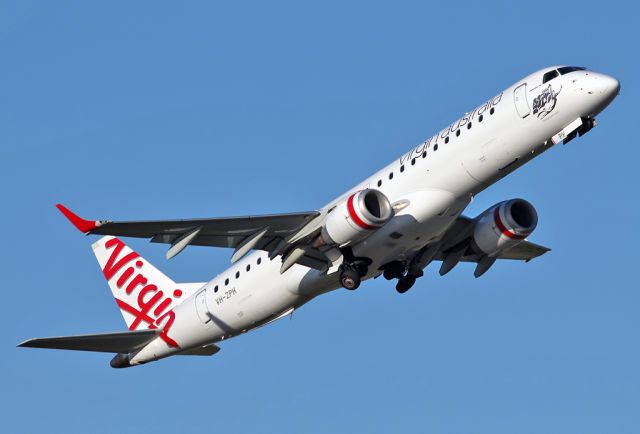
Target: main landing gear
(405, 283)
(351, 273)
(405, 275)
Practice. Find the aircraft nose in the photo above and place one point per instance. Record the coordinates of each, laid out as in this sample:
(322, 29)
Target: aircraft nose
(607, 86)
(614, 86)
(602, 90)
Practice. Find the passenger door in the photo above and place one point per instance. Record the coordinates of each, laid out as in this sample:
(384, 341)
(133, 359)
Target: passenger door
(520, 100)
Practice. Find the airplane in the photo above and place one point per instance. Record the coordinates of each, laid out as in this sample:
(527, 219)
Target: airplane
(393, 224)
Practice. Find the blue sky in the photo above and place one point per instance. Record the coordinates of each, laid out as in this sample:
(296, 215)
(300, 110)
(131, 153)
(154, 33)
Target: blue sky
(164, 110)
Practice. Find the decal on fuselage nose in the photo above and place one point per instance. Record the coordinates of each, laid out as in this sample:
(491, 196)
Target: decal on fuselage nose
(544, 103)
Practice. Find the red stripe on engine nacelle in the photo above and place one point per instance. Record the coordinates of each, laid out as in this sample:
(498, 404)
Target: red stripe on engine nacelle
(354, 216)
(506, 232)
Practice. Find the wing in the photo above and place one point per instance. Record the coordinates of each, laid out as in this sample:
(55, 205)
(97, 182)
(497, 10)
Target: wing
(273, 233)
(455, 247)
(460, 233)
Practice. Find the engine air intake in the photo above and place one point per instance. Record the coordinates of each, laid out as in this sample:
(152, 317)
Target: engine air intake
(356, 217)
(503, 226)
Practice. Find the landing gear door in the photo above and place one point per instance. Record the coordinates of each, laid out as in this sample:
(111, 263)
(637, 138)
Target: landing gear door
(520, 100)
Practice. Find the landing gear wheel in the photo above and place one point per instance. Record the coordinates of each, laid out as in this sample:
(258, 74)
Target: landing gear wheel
(361, 268)
(405, 283)
(390, 273)
(394, 270)
(350, 279)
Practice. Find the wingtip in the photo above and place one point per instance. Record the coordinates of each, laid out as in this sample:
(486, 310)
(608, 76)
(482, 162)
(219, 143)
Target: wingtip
(84, 226)
(24, 344)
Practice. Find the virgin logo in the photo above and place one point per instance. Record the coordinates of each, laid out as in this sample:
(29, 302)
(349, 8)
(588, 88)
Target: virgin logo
(151, 303)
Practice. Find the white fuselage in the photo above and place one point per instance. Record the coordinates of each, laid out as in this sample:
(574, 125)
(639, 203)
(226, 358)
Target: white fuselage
(429, 186)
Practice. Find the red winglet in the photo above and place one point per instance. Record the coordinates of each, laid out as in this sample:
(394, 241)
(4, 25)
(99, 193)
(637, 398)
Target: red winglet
(83, 225)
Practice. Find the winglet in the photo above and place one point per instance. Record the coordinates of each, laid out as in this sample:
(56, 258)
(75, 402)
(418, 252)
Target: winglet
(84, 226)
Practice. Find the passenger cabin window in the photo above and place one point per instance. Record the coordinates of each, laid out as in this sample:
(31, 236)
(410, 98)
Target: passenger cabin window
(567, 69)
(549, 76)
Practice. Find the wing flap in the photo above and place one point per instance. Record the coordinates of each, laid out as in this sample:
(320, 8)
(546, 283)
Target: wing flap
(120, 342)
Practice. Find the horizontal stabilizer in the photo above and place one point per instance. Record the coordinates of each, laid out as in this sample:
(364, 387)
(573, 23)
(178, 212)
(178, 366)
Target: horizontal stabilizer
(207, 350)
(122, 342)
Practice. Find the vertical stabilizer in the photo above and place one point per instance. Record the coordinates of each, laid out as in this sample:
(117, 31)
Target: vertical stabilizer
(146, 297)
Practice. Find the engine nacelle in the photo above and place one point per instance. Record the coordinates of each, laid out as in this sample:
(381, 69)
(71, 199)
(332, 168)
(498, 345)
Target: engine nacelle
(356, 218)
(503, 226)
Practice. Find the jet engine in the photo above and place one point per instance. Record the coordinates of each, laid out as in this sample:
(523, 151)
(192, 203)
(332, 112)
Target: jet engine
(356, 218)
(503, 226)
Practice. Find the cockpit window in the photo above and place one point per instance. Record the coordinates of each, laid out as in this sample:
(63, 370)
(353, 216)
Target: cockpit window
(549, 76)
(567, 69)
